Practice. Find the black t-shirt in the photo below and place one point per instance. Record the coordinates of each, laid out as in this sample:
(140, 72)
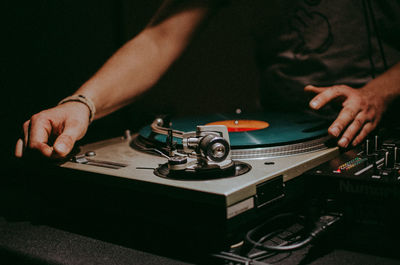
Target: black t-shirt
(325, 42)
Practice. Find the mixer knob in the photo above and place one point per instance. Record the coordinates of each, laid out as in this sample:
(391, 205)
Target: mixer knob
(386, 159)
(367, 147)
(375, 163)
(391, 158)
(376, 143)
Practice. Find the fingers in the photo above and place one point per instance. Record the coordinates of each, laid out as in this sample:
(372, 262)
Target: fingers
(311, 88)
(38, 135)
(346, 115)
(22, 142)
(25, 128)
(326, 94)
(19, 148)
(352, 130)
(21, 145)
(368, 127)
(64, 143)
(65, 123)
(45, 149)
(355, 120)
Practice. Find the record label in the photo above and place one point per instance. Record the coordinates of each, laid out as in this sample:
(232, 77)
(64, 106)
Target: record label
(241, 125)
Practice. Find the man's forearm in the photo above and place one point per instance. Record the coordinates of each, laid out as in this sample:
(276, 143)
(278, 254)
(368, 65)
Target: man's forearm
(130, 71)
(140, 63)
(387, 85)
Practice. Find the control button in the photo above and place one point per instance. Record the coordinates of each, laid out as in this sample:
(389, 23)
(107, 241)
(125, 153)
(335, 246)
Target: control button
(90, 153)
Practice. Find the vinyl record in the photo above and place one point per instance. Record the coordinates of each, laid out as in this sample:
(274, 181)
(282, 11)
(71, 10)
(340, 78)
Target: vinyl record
(254, 130)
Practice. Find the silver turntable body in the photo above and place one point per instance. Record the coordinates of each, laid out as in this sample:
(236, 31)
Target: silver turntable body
(237, 194)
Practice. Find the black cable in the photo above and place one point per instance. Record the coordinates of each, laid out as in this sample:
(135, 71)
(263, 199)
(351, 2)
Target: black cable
(371, 11)
(279, 248)
(320, 226)
(270, 235)
(371, 61)
(258, 243)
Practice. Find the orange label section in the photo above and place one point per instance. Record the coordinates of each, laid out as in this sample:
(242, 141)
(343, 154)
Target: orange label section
(241, 125)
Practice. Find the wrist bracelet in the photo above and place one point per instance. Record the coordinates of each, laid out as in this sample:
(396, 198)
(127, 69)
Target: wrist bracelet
(80, 98)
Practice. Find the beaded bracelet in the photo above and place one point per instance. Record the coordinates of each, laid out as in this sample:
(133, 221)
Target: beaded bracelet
(80, 98)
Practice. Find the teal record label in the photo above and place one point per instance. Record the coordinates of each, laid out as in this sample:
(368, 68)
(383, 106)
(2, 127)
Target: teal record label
(281, 129)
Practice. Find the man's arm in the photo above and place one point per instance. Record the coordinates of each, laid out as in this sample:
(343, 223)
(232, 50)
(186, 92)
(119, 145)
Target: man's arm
(140, 63)
(133, 69)
(362, 108)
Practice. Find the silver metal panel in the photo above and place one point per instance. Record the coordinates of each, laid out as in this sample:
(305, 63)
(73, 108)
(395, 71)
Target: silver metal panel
(234, 189)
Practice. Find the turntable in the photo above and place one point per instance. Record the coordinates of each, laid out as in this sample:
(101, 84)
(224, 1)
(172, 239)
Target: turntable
(213, 173)
(220, 156)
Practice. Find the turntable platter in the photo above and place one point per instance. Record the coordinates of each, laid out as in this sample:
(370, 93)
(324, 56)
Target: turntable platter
(267, 134)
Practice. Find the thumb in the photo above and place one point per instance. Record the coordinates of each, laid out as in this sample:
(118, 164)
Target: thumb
(64, 144)
(66, 140)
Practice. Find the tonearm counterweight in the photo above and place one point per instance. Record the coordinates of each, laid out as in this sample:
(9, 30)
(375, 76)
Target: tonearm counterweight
(207, 146)
(203, 151)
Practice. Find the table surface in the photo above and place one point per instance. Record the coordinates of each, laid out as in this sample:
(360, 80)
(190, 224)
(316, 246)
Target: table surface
(22, 242)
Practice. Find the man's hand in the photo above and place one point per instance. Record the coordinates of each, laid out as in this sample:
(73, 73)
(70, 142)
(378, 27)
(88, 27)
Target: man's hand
(64, 124)
(361, 112)
(133, 69)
